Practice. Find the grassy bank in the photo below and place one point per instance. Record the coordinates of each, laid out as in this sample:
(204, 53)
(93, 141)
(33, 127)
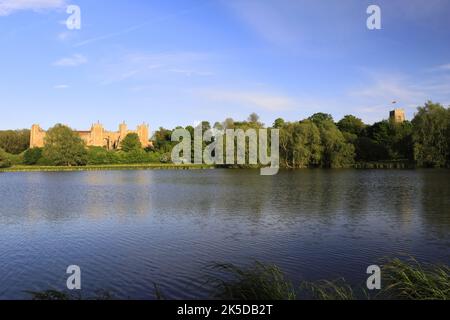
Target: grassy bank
(146, 166)
(401, 280)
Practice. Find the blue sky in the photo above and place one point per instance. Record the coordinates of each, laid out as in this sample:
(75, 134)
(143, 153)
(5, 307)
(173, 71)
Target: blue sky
(172, 63)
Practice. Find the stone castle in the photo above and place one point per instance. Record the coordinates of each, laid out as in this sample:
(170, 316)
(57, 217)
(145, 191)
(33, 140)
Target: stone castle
(97, 136)
(397, 116)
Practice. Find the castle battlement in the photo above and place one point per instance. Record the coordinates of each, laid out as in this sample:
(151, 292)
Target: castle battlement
(97, 136)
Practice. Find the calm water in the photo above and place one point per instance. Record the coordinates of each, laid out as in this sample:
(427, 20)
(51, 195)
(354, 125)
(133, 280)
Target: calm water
(130, 229)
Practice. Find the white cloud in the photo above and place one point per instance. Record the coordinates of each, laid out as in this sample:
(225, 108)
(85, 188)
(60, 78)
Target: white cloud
(9, 6)
(190, 72)
(72, 61)
(61, 86)
(270, 102)
(444, 67)
(158, 67)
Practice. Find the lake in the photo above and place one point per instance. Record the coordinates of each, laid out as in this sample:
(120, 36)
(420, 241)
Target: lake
(128, 230)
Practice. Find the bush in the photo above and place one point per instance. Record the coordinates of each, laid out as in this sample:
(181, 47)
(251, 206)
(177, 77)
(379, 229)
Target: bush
(5, 161)
(99, 155)
(131, 143)
(15, 141)
(32, 156)
(63, 147)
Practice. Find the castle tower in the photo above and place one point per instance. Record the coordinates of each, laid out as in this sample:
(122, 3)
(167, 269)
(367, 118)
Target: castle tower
(143, 133)
(96, 138)
(397, 116)
(36, 136)
(123, 130)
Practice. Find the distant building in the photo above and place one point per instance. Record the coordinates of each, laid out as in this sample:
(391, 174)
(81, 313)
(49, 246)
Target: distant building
(97, 136)
(397, 116)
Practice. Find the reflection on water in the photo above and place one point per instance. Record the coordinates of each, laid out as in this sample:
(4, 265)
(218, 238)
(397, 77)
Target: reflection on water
(130, 229)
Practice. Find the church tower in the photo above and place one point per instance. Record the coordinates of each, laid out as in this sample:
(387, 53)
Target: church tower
(397, 116)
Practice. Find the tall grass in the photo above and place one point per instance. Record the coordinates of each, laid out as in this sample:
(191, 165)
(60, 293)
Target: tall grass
(411, 280)
(259, 282)
(401, 280)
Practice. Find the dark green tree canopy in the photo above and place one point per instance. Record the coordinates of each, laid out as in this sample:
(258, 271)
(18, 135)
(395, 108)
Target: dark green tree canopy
(320, 117)
(351, 124)
(15, 142)
(431, 135)
(4, 161)
(32, 156)
(131, 142)
(63, 147)
(279, 123)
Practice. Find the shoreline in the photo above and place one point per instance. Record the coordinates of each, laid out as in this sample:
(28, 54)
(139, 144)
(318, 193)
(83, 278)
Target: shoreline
(109, 167)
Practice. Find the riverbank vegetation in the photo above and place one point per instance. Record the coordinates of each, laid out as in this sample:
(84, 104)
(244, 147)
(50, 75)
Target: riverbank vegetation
(401, 280)
(315, 142)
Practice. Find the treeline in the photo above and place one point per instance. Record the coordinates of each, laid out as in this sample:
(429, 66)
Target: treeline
(317, 141)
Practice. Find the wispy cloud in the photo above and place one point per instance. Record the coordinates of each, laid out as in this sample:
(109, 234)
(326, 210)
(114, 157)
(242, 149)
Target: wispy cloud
(136, 27)
(373, 100)
(260, 100)
(190, 72)
(154, 66)
(10, 6)
(444, 67)
(72, 61)
(61, 86)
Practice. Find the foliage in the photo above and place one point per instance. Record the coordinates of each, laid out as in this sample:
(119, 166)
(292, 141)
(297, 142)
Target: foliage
(320, 117)
(351, 124)
(300, 144)
(414, 281)
(162, 140)
(4, 161)
(32, 156)
(337, 152)
(431, 135)
(278, 123)
(63, 147)
(131, 143)
(313, 142)
(401, 279)
(15, 142)
(259, 282)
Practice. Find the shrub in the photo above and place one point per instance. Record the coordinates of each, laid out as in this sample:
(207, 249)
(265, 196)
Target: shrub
(32, 156)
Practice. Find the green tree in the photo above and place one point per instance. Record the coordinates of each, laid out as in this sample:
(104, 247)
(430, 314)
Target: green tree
(32, 156)
(130, 143)
(63, 147)
(351, 124)
(228, 123)
(5, 162)
(300, 144)
(163, 140)
(279, 123)
(15, 142)
(431, 127)
(320, 117)
(337, 152)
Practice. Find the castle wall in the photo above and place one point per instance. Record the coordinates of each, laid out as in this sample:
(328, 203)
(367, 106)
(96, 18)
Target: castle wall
(97, 136)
